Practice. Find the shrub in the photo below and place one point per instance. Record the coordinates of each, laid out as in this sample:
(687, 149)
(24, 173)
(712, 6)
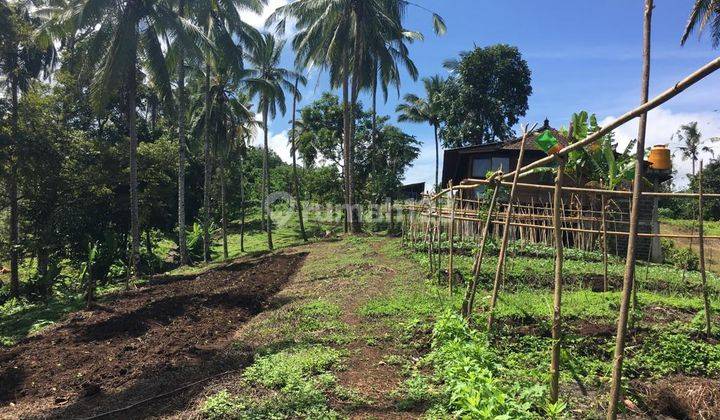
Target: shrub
(682, 258)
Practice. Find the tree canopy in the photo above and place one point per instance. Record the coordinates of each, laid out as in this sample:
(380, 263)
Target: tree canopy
(485, 96)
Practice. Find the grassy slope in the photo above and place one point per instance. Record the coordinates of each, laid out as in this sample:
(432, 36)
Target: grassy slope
(687, 227)
(363, 299)
(454, 371)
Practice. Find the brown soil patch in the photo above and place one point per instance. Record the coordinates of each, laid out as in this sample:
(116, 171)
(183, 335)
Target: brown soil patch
(138, 344)
(367, 373)
(682, 397)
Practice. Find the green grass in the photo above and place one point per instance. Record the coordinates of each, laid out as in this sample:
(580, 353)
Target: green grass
(712, 227)
(279, 369)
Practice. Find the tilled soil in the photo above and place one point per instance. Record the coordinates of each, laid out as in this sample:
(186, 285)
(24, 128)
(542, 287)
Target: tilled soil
(139, 343)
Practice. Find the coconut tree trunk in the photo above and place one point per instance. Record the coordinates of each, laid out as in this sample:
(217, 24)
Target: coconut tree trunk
(266, 178)
(223, 212)
(14, 221)
(347, 115)
(634, 216)
(242, 207)
(355, 223)
(182, 104)
(134, 206)
(437, 157)
(296, 181)
(208, 175)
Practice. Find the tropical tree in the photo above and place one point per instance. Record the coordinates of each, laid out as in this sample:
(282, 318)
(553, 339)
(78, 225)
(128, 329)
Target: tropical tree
(485, 96)
(293, 148)
(129, 34)
(229, 34)
(702, 13)
(354, 40)
(268, 81)
(693, 144)
(230, 110)
(425, 110)
(22, 60)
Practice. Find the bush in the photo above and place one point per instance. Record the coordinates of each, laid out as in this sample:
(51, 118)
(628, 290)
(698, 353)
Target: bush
(682, 258)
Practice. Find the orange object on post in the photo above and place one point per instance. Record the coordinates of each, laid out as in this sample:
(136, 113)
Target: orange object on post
(660, 158)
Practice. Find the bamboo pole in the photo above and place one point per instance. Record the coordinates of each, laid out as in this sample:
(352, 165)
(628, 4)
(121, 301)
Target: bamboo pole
(603, 203)
(634, 217)
(472, 183)
(703, 273)
(506, 232)
(451, 238)
(439, 244)
(670, 93)
(469, 300)
(557, 299)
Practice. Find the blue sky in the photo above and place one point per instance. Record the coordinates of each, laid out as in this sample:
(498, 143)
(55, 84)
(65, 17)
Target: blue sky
(583, 55)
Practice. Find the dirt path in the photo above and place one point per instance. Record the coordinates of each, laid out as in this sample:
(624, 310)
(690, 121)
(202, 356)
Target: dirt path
(367, 371)
(140, 344)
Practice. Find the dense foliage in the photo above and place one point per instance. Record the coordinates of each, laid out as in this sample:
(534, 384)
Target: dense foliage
(485, 96)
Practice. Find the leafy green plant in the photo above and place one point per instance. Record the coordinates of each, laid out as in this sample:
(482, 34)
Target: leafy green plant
(670, 352)
(467, 366)
(195, 240)
(279, 369)
(222, 405)
(682, 258)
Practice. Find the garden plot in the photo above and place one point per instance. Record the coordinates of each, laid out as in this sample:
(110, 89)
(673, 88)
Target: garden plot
(140, 343)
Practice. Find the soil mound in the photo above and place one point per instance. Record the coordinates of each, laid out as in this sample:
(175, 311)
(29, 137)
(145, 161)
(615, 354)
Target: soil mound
(138, 343)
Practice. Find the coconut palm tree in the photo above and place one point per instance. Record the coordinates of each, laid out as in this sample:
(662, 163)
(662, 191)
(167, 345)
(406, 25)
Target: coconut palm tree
(22, 59)
(692, 143)
(230, 111)
(230, 35)
(128, 31)
(267, 82)
(704, 12)
(293, 149)
(353, 40)
(425, 110)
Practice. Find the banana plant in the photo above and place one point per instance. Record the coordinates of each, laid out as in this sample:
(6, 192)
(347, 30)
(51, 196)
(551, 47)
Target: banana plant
(87, 276)
(600, 162)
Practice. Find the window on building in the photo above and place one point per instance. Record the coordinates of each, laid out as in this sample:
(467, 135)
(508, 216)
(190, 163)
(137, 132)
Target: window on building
(480, 167)
(501, 163)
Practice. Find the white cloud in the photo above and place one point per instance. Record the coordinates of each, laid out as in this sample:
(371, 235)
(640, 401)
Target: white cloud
(423, 169)
(662, 124)
(277, 142)
(258, 20)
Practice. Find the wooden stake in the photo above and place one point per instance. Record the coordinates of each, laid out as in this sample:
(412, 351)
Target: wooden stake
(469, 299)
(634, 216)
(703, 273)
(557, 300)
(603, 203)
(451, 238)
(506, 232)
